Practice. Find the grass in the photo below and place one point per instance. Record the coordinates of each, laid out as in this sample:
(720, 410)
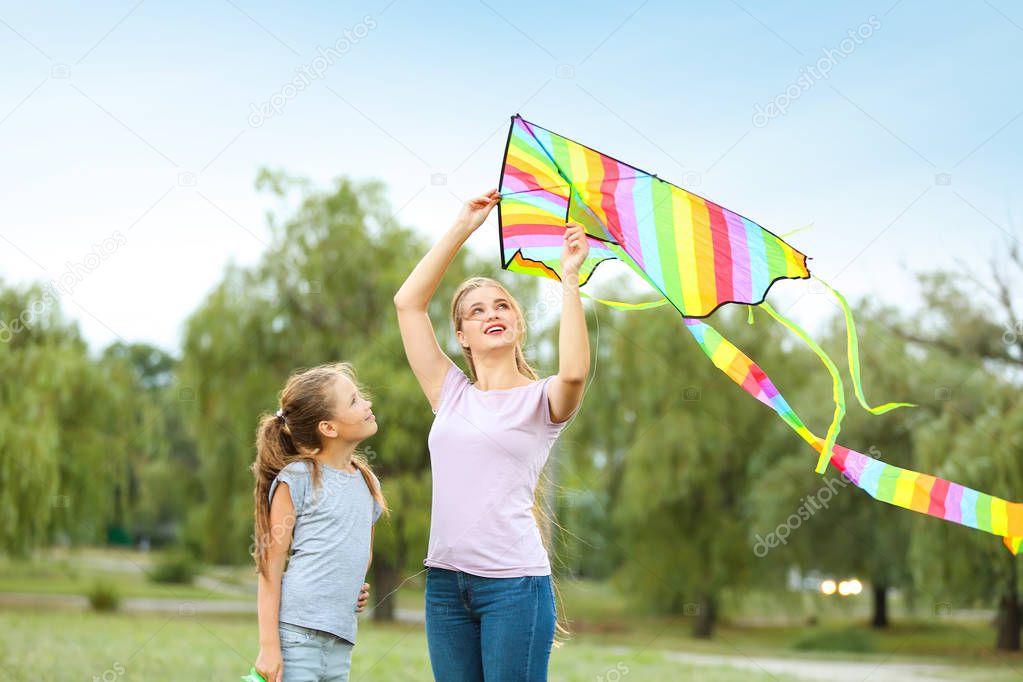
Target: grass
(76, 646)
(62, 574)
(609, 630)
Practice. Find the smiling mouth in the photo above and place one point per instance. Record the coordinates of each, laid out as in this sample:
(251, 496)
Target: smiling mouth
(495, 330)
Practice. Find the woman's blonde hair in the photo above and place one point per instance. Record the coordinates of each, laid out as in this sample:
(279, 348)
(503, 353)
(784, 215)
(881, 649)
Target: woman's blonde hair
(306, 399)
(539, 513)
(456, 317)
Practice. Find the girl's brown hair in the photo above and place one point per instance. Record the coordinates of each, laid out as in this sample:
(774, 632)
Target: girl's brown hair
(306, 400)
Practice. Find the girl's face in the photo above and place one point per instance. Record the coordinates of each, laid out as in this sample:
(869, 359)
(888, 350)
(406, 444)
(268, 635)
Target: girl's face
(353, 420)
(488, 321)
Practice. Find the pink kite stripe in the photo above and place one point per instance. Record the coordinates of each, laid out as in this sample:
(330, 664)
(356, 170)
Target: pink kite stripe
(953, 502)
(742, 284)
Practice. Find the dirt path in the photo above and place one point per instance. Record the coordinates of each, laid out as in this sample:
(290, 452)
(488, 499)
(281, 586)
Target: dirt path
(824, 670)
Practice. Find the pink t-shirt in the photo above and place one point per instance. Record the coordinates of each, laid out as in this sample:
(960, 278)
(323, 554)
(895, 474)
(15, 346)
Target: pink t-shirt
(487, 449)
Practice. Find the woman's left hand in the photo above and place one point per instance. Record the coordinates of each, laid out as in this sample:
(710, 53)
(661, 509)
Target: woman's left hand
(360, 605)
(574, 250)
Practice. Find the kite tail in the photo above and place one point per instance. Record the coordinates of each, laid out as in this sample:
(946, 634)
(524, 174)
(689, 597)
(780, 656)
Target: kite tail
(837, 389)
(894, 485)
(854, 356)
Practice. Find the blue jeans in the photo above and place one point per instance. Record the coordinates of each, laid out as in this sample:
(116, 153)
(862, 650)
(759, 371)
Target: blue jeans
(493, 629)
(313, 655)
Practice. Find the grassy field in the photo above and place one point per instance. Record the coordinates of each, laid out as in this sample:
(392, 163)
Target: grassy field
(610, 634)
(75, 645)
(62, 573)
(83, 646)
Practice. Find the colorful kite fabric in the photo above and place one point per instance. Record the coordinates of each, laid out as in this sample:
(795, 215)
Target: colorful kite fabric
(700, 256)
(697, 253)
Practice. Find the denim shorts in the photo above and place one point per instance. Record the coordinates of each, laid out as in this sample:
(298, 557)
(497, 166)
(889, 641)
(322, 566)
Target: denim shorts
(313, 655)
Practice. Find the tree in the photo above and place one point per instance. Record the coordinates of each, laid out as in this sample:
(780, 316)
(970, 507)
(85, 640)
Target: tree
(682, 511)
(975, 439)
(845, 532)
(322, 292)
(67, 426)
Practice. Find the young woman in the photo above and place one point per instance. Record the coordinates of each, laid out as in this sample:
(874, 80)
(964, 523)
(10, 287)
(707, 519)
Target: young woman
(490, 610)
(316, 496)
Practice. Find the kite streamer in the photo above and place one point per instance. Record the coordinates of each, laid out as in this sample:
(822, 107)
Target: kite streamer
(701, 256)
(901, 487)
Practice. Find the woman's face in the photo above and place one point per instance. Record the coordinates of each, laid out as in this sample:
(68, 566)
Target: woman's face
(489, 321)
(353, 419)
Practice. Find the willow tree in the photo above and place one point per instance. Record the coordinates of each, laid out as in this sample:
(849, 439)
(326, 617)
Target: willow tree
(67, 424)
(322, 292)
(682, 507)
(839, 530)
(972, 329)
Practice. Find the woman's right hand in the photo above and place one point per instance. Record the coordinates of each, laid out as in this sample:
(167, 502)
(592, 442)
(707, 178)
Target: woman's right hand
(269, 664)
(475, 211)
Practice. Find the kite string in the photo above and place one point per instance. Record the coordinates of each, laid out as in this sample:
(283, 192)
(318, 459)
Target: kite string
(620, 305)
(798, 229)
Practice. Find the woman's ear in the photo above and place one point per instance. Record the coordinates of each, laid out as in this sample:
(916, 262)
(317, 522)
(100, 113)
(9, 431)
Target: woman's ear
(461, 339)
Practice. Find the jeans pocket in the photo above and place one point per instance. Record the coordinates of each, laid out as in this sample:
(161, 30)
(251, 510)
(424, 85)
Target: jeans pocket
(435, 604)
(293, 636)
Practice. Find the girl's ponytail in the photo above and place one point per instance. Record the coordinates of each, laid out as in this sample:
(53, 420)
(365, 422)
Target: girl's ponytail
(274, 450)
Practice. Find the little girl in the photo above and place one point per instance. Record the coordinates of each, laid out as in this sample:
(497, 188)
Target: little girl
(316, 496)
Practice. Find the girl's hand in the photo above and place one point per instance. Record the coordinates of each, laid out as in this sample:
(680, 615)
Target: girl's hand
(574, 250)
(269, 664)
(360, 605)
(475, 211)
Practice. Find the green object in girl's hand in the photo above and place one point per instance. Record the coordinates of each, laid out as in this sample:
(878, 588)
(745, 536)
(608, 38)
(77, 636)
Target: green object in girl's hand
(253, 676)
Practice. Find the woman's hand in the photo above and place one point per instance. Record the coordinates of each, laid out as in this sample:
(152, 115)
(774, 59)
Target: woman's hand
(269, 663)
(574, 250)
(475, 211)
(360, 604)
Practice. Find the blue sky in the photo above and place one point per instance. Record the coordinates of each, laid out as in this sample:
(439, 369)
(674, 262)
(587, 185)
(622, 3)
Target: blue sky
(135, 119)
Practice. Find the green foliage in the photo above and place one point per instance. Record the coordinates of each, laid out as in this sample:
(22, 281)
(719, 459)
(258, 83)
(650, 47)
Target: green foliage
(974, 439)
(856, 640)
(68, 421)
(676, 449)
(176, 567)
(104, 596)
(321, 293)
(840, 516)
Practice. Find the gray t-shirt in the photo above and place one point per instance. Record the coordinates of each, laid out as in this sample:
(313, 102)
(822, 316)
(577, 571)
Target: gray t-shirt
(330, 548)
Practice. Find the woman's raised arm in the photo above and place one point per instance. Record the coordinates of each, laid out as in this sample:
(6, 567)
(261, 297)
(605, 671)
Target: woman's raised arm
(428, 361)
(566, 389)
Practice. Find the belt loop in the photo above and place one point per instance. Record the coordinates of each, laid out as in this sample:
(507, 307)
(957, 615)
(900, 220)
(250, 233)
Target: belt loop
(465, 589)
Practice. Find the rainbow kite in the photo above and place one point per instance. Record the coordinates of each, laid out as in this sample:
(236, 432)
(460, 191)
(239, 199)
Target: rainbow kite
(700, 256)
